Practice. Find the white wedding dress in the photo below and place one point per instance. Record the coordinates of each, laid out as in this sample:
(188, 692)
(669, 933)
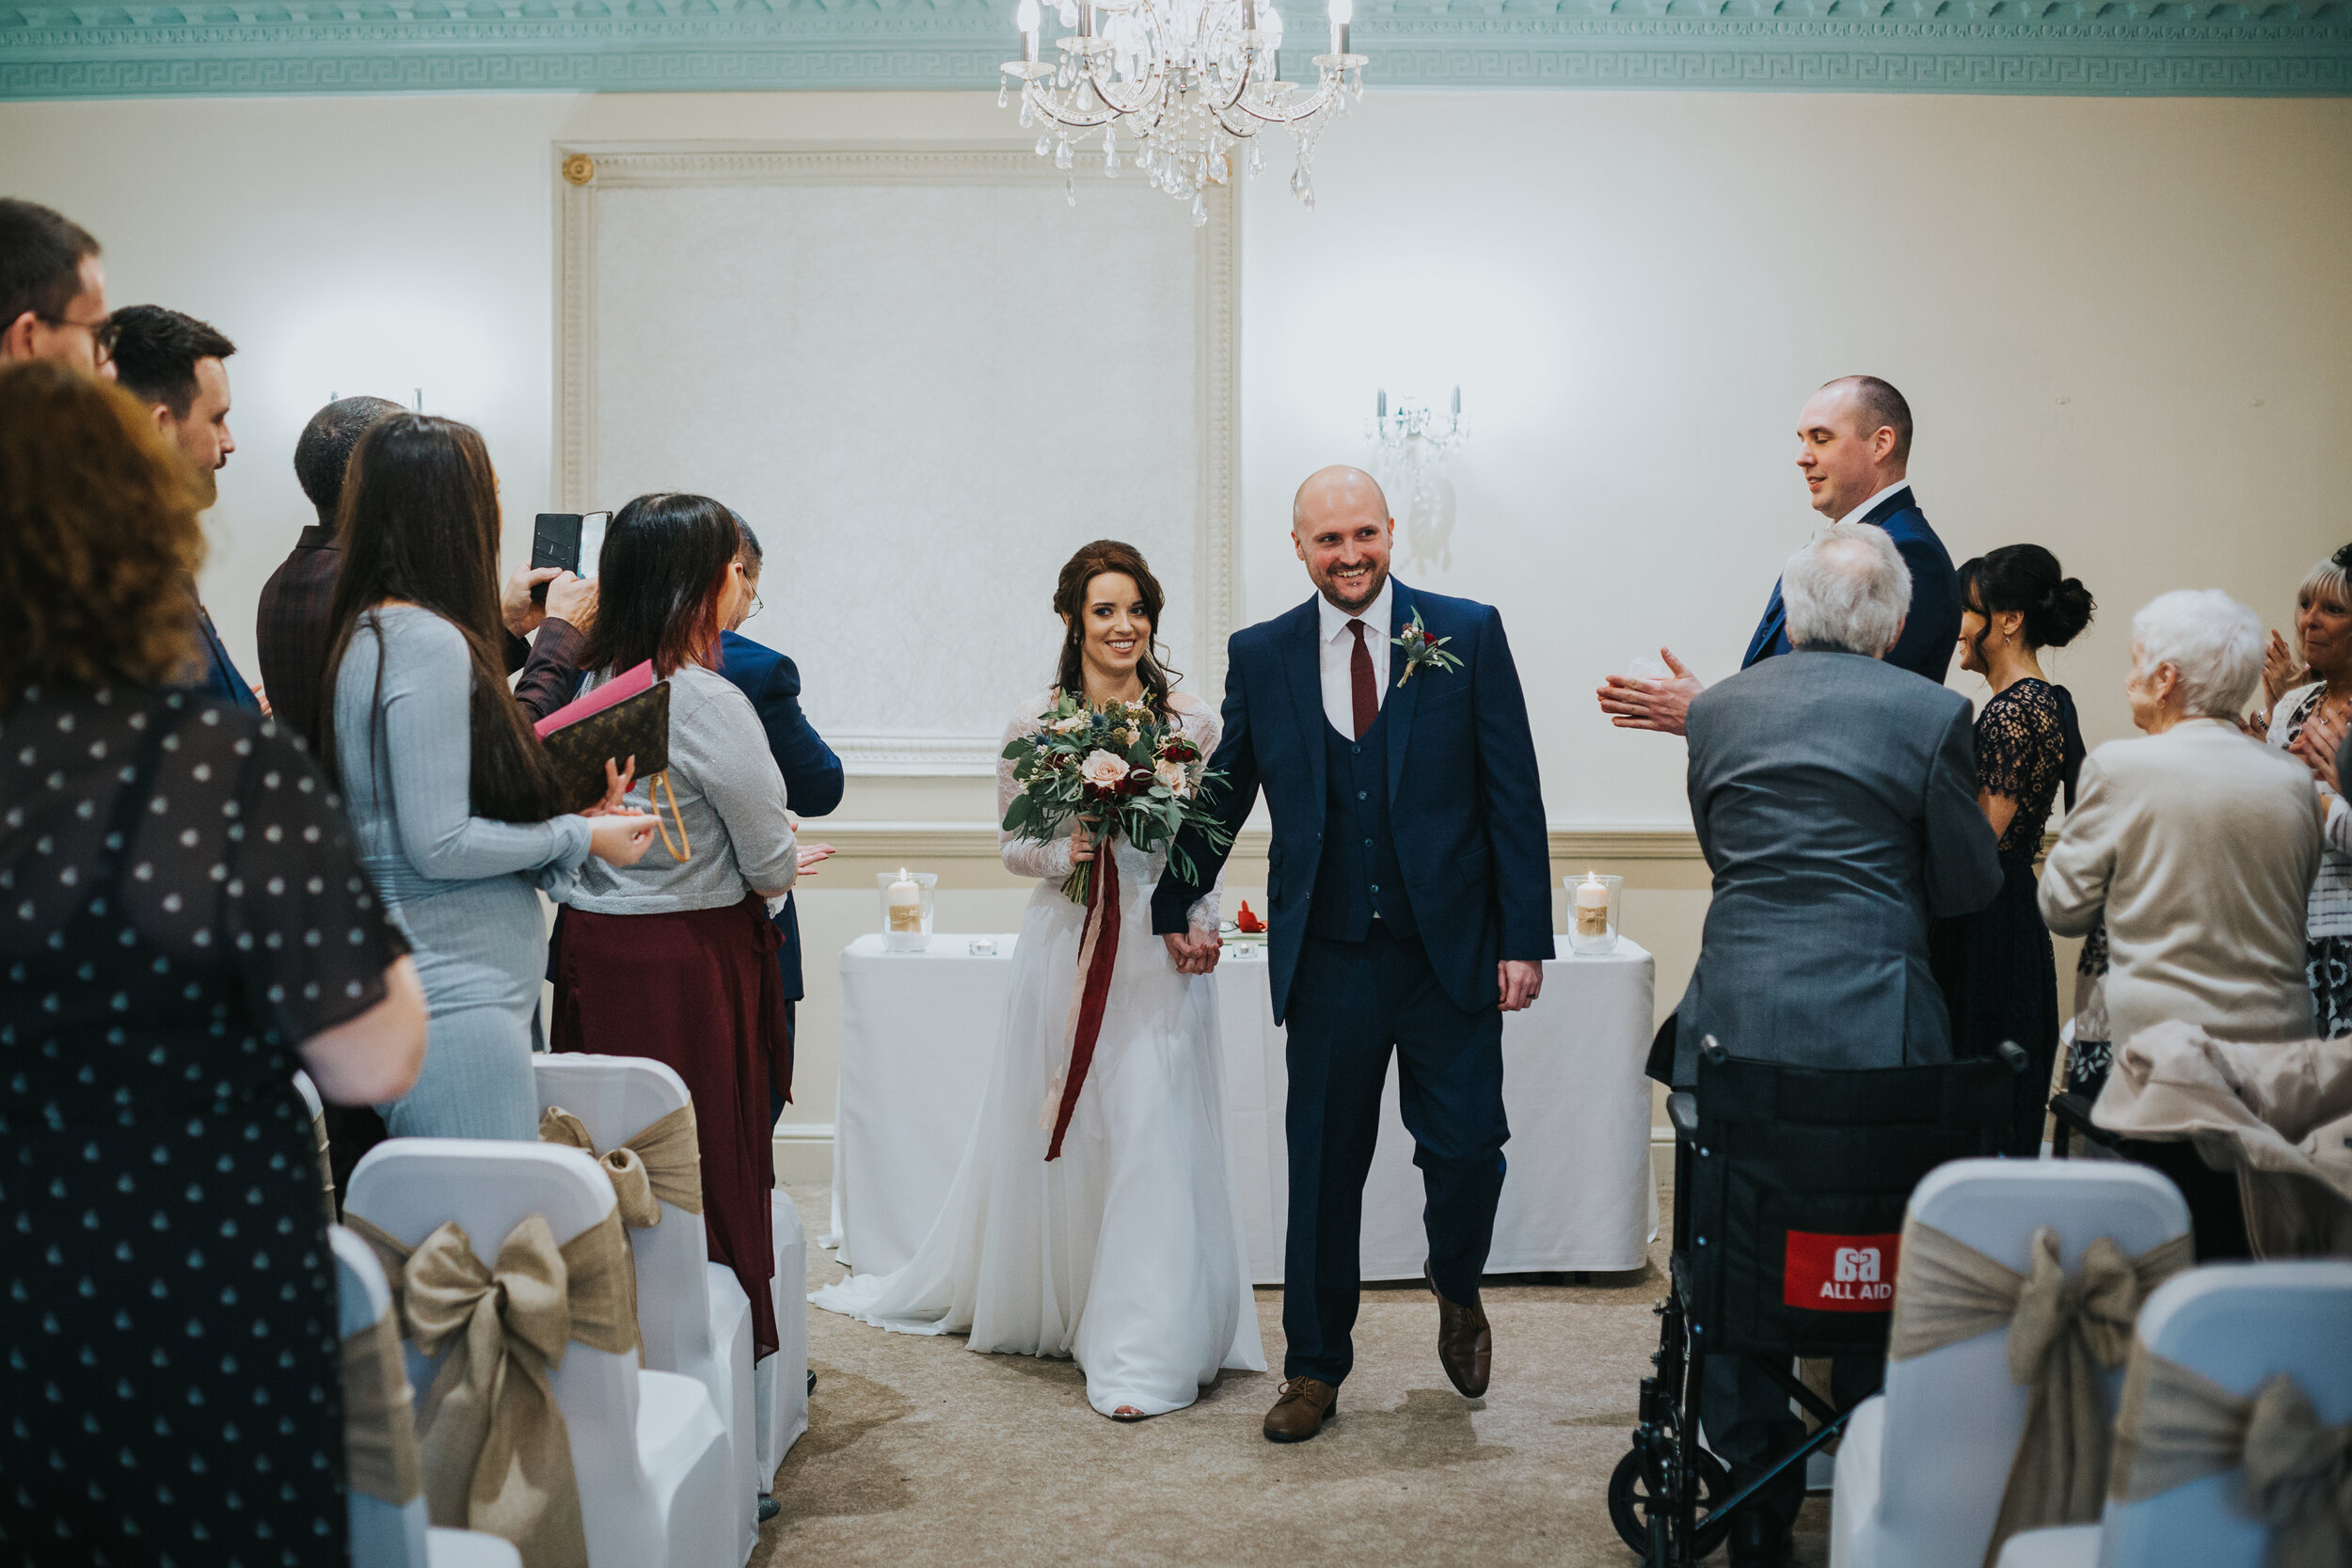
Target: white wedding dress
(1125, 1253)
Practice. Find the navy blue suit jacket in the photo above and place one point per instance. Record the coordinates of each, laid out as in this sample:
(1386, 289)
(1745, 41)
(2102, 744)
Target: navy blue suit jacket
(812, 774)
(221, 678)
(1932, 628)
(1464, 805)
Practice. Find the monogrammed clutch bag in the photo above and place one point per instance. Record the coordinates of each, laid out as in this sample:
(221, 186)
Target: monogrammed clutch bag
(637, 727)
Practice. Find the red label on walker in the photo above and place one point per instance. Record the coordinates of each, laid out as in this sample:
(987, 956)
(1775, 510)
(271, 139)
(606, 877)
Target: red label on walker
(1839, 1274)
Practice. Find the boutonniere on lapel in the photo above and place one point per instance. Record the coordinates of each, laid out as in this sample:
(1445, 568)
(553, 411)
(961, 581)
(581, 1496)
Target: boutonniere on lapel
(1423, 650)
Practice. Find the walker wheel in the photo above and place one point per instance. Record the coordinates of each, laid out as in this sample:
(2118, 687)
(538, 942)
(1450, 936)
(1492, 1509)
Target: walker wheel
(1629, 1503)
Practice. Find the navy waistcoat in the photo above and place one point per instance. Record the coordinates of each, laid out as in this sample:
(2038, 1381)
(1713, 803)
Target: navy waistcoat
(1358, 876)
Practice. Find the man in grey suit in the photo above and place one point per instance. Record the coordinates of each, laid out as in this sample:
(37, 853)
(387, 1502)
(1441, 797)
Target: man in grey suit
(1835, 801)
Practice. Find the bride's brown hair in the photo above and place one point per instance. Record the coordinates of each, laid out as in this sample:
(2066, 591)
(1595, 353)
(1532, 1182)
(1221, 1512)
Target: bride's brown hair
(1069, 601)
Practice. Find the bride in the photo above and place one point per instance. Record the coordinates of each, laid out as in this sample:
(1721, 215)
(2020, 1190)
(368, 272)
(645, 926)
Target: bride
(1125, 1253)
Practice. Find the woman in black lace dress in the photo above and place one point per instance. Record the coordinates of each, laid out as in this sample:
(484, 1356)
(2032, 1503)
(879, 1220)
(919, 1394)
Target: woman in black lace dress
(1995, 966)
(183, 922)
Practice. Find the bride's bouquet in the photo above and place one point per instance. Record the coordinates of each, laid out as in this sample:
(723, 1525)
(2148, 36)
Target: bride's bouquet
(1128, 771)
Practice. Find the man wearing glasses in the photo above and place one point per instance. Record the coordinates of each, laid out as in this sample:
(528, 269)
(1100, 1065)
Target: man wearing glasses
(53, 293)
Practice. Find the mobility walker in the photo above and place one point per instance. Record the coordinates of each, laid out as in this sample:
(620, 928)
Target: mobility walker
(1789, 1189)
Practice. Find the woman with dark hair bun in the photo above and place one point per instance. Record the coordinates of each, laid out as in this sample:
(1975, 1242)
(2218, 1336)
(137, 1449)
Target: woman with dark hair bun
(1998, 973)
(674, 958)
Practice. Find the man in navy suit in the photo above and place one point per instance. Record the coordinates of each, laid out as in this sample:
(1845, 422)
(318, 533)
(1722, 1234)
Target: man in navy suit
(1409, 901)
(1853, 447)
(177, 366)
(812, 774)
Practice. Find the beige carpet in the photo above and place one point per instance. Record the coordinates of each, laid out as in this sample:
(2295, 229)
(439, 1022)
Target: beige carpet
(919, 1451)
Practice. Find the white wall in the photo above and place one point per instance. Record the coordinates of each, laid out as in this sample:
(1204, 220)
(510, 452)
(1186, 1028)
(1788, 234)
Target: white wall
(2121, 324)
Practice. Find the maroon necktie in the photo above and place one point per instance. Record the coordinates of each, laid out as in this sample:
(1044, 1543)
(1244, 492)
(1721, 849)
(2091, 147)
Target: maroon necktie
(1359, 682)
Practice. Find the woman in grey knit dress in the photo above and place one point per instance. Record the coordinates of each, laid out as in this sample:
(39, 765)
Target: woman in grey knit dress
(449, 792)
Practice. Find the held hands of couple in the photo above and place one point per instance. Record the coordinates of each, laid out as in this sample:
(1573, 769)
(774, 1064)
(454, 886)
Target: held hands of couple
(617, 836)
(1193, 951)
(1637, 702)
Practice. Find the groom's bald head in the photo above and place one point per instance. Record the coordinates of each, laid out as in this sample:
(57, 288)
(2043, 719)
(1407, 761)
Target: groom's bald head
(1340, 527)
(1337, 487)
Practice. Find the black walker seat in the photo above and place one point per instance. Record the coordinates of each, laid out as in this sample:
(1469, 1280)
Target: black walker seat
(1790, 1184)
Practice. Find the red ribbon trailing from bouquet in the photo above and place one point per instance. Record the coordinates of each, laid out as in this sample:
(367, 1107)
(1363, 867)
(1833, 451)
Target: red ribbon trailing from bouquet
(1098, 950)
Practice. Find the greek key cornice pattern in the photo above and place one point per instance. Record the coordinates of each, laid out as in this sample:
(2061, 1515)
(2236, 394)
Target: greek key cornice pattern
(240, 47)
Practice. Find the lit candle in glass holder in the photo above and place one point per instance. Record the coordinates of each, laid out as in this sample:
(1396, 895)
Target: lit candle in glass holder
(906, 903)
(1594, 907)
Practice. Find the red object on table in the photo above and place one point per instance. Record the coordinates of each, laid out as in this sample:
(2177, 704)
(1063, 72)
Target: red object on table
(1245, 921)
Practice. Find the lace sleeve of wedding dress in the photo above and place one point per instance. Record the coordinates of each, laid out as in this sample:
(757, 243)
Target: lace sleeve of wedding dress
(1200, 723)
(1025, 857)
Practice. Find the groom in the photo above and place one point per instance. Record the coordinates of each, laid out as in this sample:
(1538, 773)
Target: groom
(1409, 896)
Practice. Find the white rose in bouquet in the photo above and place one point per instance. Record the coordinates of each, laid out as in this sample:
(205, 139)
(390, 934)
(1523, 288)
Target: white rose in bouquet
(1174, 776)
(1103, 770)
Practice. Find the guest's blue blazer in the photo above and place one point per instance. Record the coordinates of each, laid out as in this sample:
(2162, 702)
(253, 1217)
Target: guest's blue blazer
(220, 678)
(1932, 628)
(1464, 805)
(812, 774)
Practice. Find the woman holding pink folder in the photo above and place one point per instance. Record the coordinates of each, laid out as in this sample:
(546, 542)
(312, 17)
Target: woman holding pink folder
(450, 794)
(674, 958)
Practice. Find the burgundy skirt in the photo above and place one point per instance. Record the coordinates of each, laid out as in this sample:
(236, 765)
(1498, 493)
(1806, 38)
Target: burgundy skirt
(699, 992)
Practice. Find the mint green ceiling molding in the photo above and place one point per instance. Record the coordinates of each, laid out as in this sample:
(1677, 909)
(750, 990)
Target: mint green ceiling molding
(248, 47)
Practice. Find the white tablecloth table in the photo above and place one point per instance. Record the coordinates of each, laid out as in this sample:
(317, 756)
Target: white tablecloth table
(918, 1034)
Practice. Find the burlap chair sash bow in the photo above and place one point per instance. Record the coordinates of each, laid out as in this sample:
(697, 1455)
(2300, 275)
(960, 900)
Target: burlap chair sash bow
(2177, 1425)
(379, 1430)
(661, 1163)
(327, 1163)
(2062, 1333)
(495, 1453)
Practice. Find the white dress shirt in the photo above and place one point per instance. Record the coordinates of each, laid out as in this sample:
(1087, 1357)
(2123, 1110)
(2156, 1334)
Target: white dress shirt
(1338, 651)
(1864, 510)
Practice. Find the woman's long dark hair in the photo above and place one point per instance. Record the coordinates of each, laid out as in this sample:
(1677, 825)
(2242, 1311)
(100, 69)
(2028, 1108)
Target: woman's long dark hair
(1069, 600)
(659, 581)
(419, 521)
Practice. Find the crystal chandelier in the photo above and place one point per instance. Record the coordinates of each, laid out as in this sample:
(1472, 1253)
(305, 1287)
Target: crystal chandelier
(1185, 81)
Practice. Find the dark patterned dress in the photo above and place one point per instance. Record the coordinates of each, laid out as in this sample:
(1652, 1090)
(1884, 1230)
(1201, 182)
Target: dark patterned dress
(2094, 1051)
(180, 907)
(1996, 966)
(2327, 934)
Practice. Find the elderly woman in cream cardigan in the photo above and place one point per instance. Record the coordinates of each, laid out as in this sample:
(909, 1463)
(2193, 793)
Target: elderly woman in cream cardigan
(2196, 842)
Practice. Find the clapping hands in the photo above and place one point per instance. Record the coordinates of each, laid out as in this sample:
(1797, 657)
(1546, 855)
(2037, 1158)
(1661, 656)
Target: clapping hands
(1636, 703)
(2282, 672)
(617, 836)
(2316, 745)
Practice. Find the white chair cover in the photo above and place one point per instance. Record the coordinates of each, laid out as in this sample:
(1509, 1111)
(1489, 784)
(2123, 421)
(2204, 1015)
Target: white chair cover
(1922, 1466)
(692, 1314)
(384, 1534)
(783, 1378)
(2239, 1325)
(648, 1452)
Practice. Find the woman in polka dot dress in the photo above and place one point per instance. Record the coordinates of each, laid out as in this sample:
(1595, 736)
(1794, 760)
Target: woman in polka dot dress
(183, 922)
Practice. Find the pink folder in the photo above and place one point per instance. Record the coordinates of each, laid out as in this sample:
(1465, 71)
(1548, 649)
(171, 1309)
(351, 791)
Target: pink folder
(620, 688)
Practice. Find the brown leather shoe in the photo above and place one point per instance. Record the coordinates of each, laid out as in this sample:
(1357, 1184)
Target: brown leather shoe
(1464, 1345)
(1305, 1403)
